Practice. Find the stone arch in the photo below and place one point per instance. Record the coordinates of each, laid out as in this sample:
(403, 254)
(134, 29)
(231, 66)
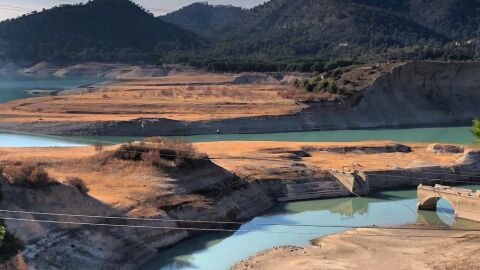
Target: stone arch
(429, 201)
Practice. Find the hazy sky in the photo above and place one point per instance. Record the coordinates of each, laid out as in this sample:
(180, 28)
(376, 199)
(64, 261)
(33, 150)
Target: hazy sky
(14, 8)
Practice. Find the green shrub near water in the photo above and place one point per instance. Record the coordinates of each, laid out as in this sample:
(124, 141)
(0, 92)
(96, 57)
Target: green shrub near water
(476, 128)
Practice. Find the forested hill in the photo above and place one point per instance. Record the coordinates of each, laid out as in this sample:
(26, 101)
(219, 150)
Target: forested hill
(100, 30)
(455, 19)
(279, 34)
(207, 20)
(333, 27)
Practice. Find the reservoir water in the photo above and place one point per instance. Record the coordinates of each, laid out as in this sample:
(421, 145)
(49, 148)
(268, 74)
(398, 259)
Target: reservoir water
(220, 251)
(15, 87)
(458, 135)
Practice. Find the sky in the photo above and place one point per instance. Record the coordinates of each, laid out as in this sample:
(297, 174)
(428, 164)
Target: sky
(15, 8)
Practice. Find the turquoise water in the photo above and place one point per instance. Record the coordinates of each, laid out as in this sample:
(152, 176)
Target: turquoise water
(14, 88)
(220, 251)
(459, 135)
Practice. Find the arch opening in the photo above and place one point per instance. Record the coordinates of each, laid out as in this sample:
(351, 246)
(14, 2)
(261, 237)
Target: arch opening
(442, 207)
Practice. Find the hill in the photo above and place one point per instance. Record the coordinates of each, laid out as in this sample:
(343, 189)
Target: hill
(313, 27)
(207, 20)
(281, 30)
(303, 35)
(100, 30)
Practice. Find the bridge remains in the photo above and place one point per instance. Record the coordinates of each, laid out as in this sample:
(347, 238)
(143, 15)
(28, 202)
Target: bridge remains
(465, 202)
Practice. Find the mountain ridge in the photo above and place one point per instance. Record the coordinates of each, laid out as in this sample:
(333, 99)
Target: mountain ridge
(276, 35)
(85, 32)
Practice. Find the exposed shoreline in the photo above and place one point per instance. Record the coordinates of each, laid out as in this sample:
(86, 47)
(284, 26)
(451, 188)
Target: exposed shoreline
(412, 95)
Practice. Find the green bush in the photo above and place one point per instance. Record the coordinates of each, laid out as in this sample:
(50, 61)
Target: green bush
(476, 128)
(9, 244)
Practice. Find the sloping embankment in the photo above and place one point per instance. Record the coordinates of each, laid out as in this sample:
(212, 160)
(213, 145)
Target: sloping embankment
(74, 244)
(413, 95)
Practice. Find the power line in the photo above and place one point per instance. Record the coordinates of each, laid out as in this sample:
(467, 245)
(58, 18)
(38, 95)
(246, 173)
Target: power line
(227, 222)
(420, 178)
(228, 230)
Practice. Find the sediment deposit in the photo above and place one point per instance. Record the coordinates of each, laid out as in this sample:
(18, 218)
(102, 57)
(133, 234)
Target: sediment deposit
(375, 249)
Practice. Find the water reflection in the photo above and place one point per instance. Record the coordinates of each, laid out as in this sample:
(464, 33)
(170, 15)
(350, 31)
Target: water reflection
(182, 256)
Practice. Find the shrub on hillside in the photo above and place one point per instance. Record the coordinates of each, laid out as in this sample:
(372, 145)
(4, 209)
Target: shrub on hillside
(158, 152)
(27, 175)
(78, 183)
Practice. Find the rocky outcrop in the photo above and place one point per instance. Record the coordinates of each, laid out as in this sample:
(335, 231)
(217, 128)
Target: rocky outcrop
(445, 148)
(68, 245)
(387, 148)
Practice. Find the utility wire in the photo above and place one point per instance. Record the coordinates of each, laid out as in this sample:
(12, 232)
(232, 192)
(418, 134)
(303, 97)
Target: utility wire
(218, 222)
(228, 230)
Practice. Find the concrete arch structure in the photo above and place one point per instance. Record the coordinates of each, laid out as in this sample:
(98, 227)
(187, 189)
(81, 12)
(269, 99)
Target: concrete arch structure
(465, 202)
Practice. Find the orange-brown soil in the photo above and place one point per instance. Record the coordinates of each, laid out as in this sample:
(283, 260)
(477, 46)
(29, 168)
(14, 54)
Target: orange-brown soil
(125, 183)
(182, 96)
(254, 159)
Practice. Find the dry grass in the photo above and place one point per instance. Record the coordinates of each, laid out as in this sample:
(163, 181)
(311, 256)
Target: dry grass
(78, 183)
(28, 174)
(154, 98)
(115, 176)
(152, 169)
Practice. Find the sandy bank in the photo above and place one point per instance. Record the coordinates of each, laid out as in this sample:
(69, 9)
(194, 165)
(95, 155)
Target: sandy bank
(375, 249)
